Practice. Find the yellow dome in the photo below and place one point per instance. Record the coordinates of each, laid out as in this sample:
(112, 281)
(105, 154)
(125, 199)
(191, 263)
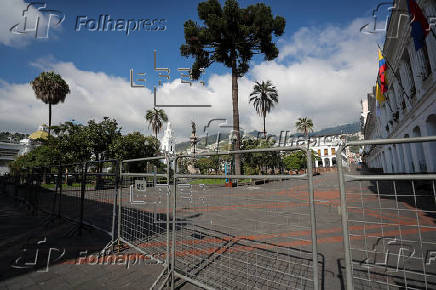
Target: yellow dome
(38, 135)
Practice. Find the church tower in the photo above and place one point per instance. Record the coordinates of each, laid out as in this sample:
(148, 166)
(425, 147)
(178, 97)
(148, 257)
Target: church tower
(168, 142)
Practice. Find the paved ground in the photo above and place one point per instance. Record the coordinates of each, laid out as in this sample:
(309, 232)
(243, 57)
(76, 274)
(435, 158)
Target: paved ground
(255, 236)
(24, 238)
(260, 236)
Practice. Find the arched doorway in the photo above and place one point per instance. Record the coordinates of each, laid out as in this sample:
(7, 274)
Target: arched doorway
(419, 149)
(326, 162)
(334, 161)
(431, 131)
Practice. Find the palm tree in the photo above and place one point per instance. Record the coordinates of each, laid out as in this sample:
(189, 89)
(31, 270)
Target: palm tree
(264, 97)
(50, 88)
(155, 119)
(304, 125)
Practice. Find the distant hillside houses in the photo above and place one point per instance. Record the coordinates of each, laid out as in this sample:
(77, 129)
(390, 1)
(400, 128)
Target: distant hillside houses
(11, 148)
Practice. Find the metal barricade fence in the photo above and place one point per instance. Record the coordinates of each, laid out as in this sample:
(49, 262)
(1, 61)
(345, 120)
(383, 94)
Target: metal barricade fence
(144, 208)
(18, 192)
(69, 203)
(32, 190)
(46, 188)
(100, 187)
(84, 193)
(389, 225)
(244, 237)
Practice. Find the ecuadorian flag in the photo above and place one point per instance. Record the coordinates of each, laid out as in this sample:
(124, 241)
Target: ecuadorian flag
(382, 86)
(420, 26)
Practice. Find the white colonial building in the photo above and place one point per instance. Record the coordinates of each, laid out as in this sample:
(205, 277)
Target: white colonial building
(410, 108)
(325, 148)
(168, 142)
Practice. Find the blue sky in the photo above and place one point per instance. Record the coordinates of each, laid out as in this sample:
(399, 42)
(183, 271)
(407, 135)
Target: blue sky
(115, 53)
(111, 54)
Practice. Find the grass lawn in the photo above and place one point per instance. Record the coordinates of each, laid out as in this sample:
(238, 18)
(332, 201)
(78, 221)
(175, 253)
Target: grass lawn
(64, 186)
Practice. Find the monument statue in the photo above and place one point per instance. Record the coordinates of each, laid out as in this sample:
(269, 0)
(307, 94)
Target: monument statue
(194, 139)
(194, 128)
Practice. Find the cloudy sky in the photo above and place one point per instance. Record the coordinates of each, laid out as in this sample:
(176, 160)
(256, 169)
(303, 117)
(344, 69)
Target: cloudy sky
(324, 68)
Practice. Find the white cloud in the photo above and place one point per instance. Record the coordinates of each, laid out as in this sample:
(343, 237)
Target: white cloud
(321, 73)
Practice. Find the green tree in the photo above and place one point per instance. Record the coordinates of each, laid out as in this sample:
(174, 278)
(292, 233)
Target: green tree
(304, 125)
(50, 88)
(71, 142)
(297, 160)
(156, 118)
(264, 96)
(231, 35)
(41, 156)
(254, 163)
(134, 145)
(101, 135)
(206, 164)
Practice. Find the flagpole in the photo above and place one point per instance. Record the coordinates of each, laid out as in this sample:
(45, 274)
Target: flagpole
(387, 99)
(393, 72)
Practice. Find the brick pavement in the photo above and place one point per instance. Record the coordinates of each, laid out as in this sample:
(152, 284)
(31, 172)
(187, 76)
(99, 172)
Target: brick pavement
(20, 233)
